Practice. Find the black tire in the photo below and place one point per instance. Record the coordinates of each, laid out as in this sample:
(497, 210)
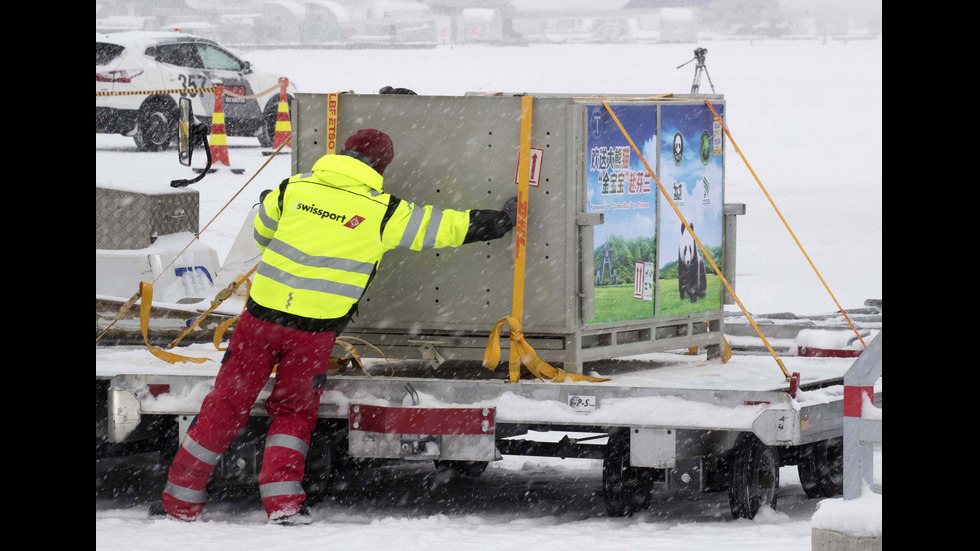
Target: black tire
(625, 489)
(462, 468)
(754, 477)
(156, 124)
(326, 457)
(821, 468)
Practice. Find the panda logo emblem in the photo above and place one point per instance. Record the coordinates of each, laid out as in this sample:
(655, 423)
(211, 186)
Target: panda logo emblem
(678, 149)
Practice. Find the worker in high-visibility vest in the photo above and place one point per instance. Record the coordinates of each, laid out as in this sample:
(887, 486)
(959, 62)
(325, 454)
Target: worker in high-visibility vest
(322, 236)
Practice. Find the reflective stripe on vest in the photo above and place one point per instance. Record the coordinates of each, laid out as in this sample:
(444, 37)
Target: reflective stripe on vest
(308, 283)
(415, 222)
(299, 257)
(267, 220)
(429, 240)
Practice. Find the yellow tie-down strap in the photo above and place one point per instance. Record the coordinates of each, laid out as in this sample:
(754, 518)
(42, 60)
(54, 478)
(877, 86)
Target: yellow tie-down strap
(146, 304)
(538, 367)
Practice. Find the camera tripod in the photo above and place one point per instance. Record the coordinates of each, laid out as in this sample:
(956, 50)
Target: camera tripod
(699, 55)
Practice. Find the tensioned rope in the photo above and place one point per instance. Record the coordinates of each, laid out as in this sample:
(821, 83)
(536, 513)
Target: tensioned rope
(707, 256)
(793, 235)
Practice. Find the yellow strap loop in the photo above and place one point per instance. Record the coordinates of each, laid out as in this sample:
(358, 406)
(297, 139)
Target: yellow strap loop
(520, 349)
(146, 304)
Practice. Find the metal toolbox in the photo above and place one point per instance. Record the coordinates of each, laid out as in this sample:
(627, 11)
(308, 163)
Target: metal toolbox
(133, 220)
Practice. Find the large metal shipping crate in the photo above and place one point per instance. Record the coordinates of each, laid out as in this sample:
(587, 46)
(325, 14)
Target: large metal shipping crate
(609, 271)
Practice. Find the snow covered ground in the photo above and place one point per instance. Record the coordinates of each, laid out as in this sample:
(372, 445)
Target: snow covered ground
(806, 114)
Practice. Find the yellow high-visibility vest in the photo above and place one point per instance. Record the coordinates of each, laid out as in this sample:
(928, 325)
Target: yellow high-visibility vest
(322, 235)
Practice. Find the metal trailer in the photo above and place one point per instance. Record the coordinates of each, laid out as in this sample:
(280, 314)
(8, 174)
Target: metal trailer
(665, 419)
(663, 427)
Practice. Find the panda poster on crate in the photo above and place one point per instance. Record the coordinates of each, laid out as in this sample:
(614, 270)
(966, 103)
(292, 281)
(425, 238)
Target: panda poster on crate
(692, 172)
(619, 186)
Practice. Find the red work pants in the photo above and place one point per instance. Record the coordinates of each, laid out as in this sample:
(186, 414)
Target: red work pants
(254, 350)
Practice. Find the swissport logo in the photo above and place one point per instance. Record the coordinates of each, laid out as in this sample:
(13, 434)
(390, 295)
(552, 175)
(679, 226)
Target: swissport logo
(312, 209)
(354, 222)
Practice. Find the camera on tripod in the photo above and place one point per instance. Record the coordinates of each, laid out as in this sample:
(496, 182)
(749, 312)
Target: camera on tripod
(699, 55)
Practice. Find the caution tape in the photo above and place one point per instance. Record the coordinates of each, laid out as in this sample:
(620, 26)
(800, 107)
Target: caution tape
(183, 91)
(152, 92)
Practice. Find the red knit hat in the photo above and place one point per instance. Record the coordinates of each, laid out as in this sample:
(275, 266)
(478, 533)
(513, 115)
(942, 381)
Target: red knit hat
(373, 144)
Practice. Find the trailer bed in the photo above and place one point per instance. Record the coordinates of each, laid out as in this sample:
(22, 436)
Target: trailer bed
(653, 390)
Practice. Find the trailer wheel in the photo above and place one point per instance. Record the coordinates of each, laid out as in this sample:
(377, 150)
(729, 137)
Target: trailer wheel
(626, 489)
(821, 468)
(755, 476)
(327, 455)
(462, 468)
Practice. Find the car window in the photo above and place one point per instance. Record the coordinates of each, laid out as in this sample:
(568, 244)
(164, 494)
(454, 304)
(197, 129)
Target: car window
(216, 58)
(181, 55)
(105, 53)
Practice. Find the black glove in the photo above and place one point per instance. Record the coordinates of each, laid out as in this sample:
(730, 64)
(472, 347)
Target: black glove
(400, 91)
(510, 209)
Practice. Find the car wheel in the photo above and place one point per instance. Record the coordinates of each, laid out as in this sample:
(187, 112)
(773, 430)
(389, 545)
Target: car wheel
(156, 125)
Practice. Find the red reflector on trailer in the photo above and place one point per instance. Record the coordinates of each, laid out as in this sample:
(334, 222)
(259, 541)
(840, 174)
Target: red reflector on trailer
(415, 420)
(157, 389)
(811, 352)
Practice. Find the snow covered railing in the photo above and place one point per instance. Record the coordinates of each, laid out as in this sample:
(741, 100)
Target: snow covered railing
(862, 420)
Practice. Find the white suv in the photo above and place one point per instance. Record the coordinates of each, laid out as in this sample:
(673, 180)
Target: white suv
(172, 65)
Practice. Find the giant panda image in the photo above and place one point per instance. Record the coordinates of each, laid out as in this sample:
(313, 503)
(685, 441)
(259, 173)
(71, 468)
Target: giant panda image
(691, 277)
